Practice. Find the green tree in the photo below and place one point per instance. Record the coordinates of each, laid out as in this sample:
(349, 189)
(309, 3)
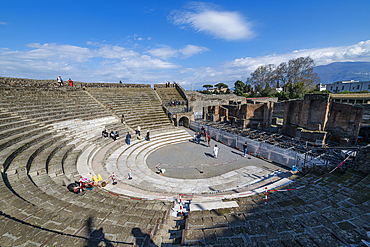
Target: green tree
(216, 92)
(267, 91)
(239, 87)
(262, 77)
(282, 96)
(248, 88)
(296, 77)
(228, 91)
(207, 86)
(299, 74)
(221, 86)
(296, 90)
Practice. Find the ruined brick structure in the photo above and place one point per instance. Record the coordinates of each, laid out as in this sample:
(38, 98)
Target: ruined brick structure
(317, 118)
(243, 115)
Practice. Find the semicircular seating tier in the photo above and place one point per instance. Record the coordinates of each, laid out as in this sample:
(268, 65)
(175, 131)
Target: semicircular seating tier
(48, 134)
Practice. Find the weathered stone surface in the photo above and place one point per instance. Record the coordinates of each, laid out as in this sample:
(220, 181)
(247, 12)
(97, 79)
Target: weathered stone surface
(363, 159)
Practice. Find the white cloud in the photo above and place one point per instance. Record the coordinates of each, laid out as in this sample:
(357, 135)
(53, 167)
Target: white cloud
(220, 24)
(114, 52)
(62, 52)
(166, 52)
(191, 50)
(3, 23)
(92, 43)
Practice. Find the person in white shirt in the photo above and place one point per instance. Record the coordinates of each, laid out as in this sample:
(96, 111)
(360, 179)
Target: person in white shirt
(215, 151)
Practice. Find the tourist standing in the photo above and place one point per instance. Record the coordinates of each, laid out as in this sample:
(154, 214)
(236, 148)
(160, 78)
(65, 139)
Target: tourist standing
(128, 138)
(198, 137)
(215, 151)
(245, 148)
(70, 82)
(138, 130)
(147, 135)
(60, 81)
(209, 140)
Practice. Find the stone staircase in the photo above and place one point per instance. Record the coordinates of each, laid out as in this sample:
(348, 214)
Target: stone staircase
(140, 106)
(168, 94)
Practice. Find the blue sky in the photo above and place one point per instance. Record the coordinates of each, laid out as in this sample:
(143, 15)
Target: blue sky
(190, 42)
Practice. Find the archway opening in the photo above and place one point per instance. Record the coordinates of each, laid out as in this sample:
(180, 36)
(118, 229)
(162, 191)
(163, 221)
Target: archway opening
(184, 121)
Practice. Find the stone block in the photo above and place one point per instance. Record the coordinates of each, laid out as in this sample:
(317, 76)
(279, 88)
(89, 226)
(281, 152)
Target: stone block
(194, 235)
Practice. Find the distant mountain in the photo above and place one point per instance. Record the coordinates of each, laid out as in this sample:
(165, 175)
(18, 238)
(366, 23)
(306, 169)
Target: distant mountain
(359, 71)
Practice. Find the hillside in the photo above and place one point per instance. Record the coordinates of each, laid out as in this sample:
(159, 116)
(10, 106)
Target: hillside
(359, 71)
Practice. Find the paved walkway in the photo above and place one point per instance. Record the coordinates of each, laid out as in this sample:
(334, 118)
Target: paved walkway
(186, 160)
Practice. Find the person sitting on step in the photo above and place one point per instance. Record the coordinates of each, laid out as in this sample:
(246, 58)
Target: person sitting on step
(112, 135)
(71, 184)
(104, 133)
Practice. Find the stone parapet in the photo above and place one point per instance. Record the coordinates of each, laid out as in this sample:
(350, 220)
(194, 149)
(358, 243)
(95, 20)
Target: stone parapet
(9, 81)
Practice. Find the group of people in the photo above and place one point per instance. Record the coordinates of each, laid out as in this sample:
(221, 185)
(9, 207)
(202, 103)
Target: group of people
(198, 136)
(128, 136)
(138, 132)
(207, 138)
(77, 187)
(113, 134)
(60, 82)
(168, 84)
(203, 133)
(176, 102)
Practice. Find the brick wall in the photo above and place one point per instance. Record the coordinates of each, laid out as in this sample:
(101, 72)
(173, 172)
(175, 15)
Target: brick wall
(317, 113)
(344, 121)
